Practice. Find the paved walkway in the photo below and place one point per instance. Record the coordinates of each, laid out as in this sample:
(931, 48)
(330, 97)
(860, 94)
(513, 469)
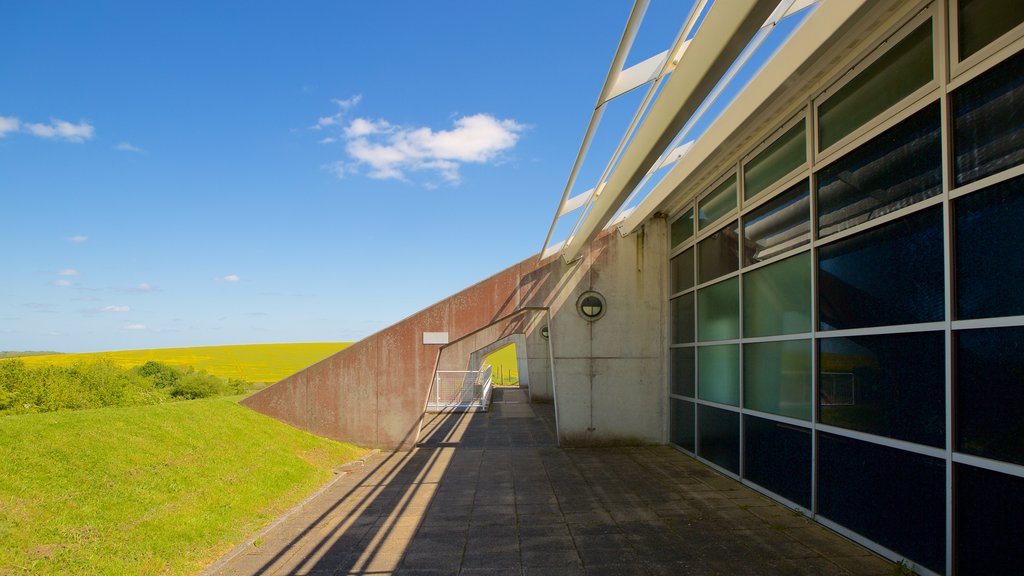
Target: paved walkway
(491, 494)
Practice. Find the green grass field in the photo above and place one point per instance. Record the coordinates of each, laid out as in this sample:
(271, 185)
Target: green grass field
(252, 362)
(162, 489)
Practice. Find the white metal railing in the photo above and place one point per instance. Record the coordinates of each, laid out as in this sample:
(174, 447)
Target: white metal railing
(461, 390)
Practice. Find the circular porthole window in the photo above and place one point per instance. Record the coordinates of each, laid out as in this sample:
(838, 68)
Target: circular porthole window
(545, 333)
(591, 306)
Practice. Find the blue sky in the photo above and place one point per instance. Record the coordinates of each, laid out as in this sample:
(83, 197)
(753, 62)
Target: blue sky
(199, 173)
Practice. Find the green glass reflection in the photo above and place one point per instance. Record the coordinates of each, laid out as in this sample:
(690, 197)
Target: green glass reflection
(780, 158)
(718, 374)
(979, 22)
(718, 203)
(718, 311)
(777, 298)
(777, 378)
(682, 228)
(681, 271)
(903, 69)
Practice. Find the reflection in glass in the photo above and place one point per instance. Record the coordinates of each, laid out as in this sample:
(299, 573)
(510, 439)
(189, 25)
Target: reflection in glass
(900, 167)
(893, 497)
(989, 237)
(777, 377)
(682, 228)
(889, 275)
(682, 319)
(681, 424)
(988, 521)
(717, 203)
(683, 370)
(718, 374)
(780, 158)
(719, 437)
(906, 67)
(988, 122)
(718, 254)
(718, 311)
(780, 224)
(681, 271)
(891, 385)
(777, 298)
(990, 393)
(777, 456)
(982, 21)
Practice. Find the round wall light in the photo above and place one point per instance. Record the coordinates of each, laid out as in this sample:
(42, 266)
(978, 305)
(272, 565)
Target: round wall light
(591, 306)
(544, 333)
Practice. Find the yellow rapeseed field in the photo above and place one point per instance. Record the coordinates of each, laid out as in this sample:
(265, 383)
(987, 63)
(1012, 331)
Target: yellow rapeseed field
(252, 362)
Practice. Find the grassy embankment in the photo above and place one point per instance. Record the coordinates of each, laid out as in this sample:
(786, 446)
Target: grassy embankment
(162, 489)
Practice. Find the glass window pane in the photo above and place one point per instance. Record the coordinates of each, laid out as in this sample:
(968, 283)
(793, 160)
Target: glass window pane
(681, 271)
(718, 203)
(982, 21)
(892, 274)
(681, 426)
(899, 167)
(777, 298)
(683, 371)
(682, 319)
(718, 374)
(891, 385)
(777, 378)
(718, 311)
(989, 265)
(893, 497)
(719, 437)
(777, 456)
(906, 67)
(682, 228)
(718, 254)
(777, 226)
(778, 159)
(988, 521)
(988, 122)
(990, 393)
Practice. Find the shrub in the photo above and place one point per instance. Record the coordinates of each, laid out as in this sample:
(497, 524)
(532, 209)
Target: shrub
(162, 375)
(197, 385)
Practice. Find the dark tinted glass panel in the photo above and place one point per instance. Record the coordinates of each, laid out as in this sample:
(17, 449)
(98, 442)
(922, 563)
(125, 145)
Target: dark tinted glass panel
(681, 429)
(777, 377)
(681, 269)
(719, 437)
(718, 254)
(718, 311)
(888, 275)
(890, 385)
(904, 68)
(780, 158)
(895, 169)
(682, 319)
(717, 203)
(682, 228)
(988, 122)
(778, 457)
(683, 367)
(990, 393)
(778, 225)
(988, 521)
(982, 21)
(989, 265)
(893, 497)
(777, 298)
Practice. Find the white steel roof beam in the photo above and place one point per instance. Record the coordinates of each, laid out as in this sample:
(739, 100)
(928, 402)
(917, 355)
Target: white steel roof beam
(726, 30)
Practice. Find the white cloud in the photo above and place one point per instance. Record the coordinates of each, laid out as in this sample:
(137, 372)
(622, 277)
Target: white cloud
(231, 278)
(115, 308)
(338, 168)
(9, 124)
(363, 127)
(62, 283)
(348, 102)
(329, 140)
(146, 287)
(78, 239)
(128, 147)
(62, 130)
(338, 117)
(135, 327)
(68, 272)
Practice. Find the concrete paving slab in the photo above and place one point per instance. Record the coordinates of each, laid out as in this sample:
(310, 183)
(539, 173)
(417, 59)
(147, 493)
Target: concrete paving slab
(492, 494)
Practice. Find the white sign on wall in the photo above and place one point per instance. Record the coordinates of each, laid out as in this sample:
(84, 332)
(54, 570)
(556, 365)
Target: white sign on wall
(435, 337)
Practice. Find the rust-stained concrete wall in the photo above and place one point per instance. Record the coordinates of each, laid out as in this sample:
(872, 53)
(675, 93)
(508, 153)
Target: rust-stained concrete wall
(608, 377)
